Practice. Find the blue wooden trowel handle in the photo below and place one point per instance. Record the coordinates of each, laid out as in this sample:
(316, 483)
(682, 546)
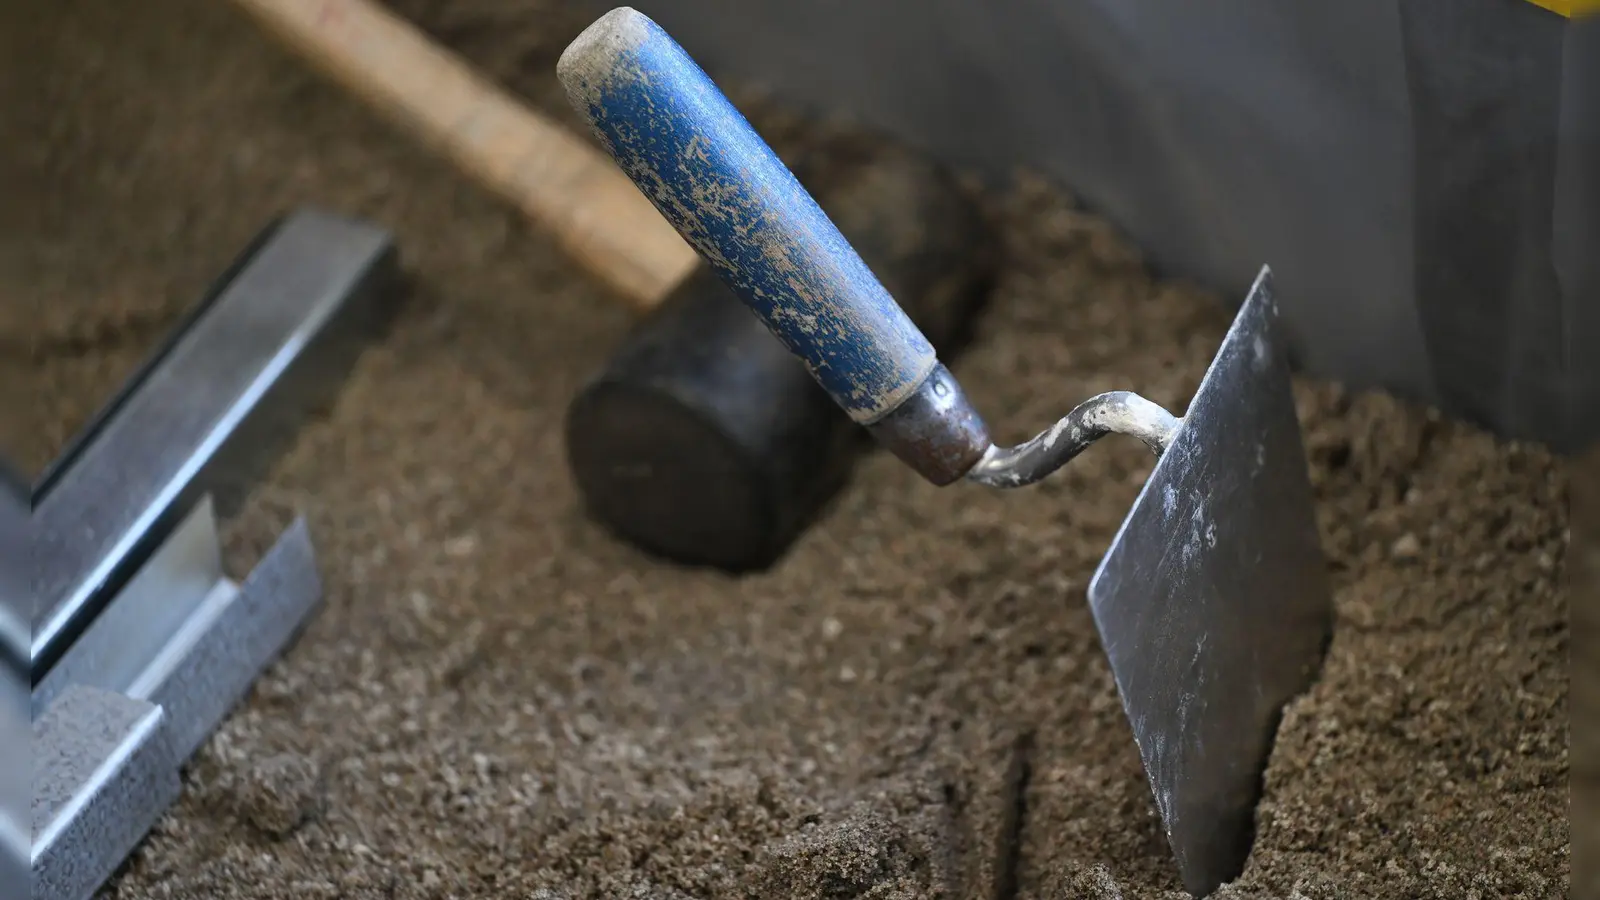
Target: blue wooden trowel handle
(701, 163)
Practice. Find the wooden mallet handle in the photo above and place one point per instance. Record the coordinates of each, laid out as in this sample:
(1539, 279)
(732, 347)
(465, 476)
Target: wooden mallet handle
(572, 190)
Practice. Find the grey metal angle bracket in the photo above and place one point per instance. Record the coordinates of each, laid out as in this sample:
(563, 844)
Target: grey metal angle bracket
(140, 643)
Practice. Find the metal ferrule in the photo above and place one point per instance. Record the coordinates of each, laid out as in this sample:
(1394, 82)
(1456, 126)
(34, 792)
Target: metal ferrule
(935, 430)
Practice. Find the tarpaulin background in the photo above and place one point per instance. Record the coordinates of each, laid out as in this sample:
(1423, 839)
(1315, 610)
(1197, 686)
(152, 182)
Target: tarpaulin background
(1423, 176)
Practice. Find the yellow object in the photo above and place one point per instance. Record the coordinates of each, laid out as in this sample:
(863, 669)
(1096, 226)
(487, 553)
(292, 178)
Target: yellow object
(1569, 8)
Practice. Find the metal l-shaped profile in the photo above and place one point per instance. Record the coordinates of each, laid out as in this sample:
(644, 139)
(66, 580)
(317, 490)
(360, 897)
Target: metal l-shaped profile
(140, 644)
(14, 751)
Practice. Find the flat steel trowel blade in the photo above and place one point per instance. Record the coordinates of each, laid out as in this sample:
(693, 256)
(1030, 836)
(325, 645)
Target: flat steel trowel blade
(1213, 602)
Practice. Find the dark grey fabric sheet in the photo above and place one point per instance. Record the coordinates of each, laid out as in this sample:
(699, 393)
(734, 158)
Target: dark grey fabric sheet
(1422, 176)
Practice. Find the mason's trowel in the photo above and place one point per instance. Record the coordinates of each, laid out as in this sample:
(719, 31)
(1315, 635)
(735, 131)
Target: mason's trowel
(1212, 602)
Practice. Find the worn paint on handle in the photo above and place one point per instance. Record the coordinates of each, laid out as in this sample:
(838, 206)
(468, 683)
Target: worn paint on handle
(704, 167)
